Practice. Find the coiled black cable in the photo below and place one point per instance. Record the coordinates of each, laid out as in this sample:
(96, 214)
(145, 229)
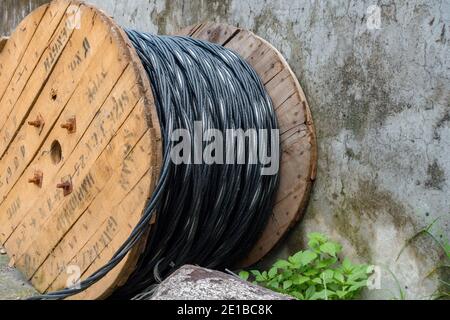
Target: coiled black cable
(207, 214)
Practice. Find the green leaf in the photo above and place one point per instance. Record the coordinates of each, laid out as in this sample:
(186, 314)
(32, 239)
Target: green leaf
(310, 291)
(357, 286)
(321, 295)
(347, 266)
(258, 275)
(317, 280)
(264, 275)
(287, 284)
(282, 264)
(331, 248)
(327, 274)
(255, 272)
(311, 272)
(325, 263)
(316, 236)
(341, 294)
(314, 244)
(304, 257)
(297, 294)
(273, 272)
(339, 276)
(357, 275)
(273, 284)
(299, 279)
(244, 275)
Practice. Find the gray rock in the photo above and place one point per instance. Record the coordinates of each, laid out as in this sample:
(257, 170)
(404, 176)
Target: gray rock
(196, 283)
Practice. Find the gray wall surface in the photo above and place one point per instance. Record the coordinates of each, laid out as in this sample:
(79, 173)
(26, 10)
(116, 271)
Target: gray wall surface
(380, 99)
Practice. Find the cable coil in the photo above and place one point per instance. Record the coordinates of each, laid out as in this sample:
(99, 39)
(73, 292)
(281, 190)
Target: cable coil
(205, 214)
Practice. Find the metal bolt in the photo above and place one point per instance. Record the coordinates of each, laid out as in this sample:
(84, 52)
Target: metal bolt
(66, 186)
(70, 125)
(37, 178)
(38, 123)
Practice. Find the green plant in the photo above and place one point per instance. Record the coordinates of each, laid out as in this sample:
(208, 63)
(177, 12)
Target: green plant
(315, 273)
(443, 291)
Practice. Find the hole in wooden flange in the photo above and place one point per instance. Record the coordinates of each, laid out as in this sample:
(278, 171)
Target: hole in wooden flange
(53, 94)
(56, 152)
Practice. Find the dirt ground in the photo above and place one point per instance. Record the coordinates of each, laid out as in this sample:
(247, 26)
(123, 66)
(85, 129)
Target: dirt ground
(12, 284)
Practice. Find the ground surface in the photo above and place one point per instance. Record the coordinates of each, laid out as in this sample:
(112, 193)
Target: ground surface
(12, 285)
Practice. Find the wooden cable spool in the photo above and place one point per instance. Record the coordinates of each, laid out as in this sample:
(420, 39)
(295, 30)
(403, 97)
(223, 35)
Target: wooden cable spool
(80, 147)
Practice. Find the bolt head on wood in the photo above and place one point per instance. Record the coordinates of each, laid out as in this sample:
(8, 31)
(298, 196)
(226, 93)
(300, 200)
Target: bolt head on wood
(66, 186)
(38, 123)
(70, 125)
(37, 178)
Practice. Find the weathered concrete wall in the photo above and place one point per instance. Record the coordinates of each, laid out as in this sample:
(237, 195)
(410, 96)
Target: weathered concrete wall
(380, 99)
(13, 11)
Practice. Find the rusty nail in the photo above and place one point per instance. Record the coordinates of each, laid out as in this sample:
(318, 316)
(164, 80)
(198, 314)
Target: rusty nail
(38, 123)
(70, 125)
(37, 178)
(66, 186)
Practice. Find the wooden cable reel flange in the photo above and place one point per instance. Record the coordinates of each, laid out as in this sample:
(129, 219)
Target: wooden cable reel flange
(81, 150)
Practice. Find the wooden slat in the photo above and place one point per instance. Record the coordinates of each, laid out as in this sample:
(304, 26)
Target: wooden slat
(53, 26)
(214, 32)
(262, 57)
(16, 45)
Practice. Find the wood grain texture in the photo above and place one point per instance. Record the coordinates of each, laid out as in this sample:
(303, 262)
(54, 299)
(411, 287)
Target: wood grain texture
(88, 71)
(298, 141)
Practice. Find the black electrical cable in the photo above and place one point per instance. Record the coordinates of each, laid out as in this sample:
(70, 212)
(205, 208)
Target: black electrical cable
(207, 214)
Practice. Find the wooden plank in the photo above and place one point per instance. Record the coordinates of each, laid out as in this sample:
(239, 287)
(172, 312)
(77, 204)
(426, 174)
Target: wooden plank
(281, 88)
(16, 45)
(215, 32)
(188, 31)
(52, 25)
(264, 59)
